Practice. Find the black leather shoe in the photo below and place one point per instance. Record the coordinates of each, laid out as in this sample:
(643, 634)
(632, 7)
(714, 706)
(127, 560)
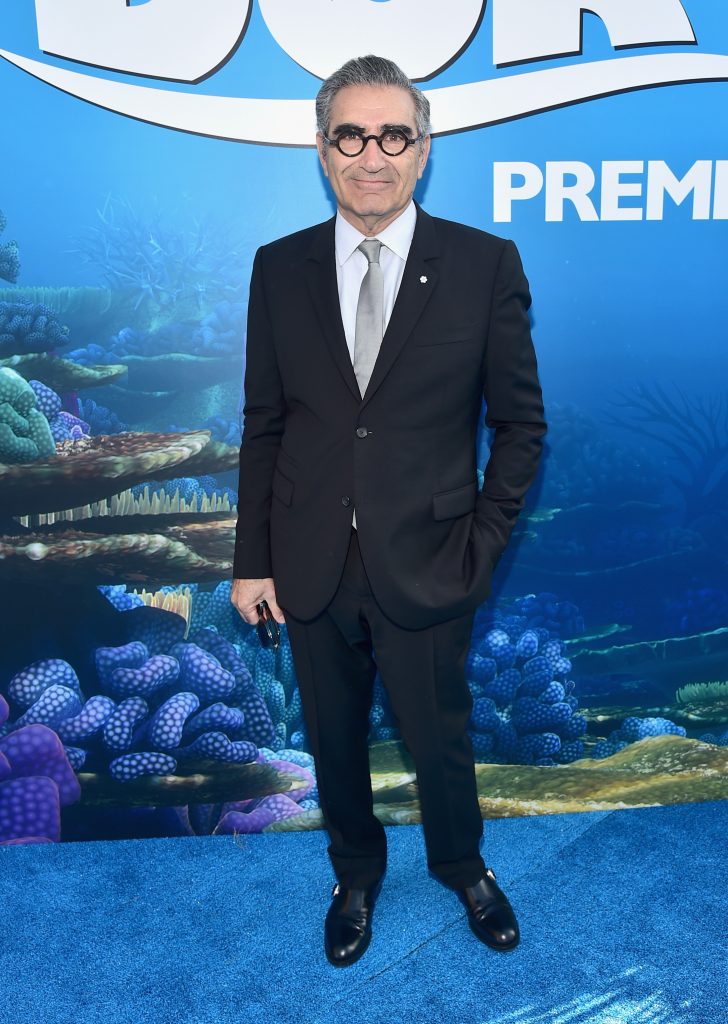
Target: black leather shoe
(348, 927)
(490, 915)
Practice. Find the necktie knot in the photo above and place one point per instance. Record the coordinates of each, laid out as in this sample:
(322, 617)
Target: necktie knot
(371, 248)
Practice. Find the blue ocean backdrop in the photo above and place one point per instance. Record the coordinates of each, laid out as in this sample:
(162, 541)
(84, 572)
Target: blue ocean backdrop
(133, 699)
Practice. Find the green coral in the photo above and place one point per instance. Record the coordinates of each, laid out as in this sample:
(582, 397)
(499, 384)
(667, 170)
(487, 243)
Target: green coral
(697, 693)
(25, 434)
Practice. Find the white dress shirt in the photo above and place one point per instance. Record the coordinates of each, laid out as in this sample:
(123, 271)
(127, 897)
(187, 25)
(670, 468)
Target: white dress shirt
(351, 267)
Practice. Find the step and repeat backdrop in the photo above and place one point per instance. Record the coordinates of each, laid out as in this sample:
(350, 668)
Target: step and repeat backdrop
(148, 149)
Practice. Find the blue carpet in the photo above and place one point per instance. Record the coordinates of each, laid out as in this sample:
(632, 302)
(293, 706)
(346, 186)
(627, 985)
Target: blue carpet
(622, 916)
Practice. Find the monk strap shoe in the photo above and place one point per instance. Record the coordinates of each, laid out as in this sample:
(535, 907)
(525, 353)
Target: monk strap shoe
(348, 926)
(490, 915)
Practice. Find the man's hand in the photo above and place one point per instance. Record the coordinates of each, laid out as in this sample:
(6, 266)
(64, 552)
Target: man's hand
(245, 595)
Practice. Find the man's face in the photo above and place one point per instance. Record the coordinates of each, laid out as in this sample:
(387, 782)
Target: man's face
(372, 188)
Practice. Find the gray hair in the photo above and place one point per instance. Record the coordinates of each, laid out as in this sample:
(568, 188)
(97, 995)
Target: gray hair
(370, 70)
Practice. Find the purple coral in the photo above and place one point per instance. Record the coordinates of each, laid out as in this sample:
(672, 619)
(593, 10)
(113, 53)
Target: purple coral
(131, 655)
(217, 717)
(48, 401)
(37, 750)
(29, 811)
(54, 705)
(128, 670)
(256, 814)
(301, 772)
(202, 673)
(143, 762)
(153, 728)
(215, 746)
(88, 722)
(67, 427)
(225, 653)
(269, 809)
(146, 680)
(36, 780)
(27, 685)
(120, 727)
(166, 724)
(259, 727)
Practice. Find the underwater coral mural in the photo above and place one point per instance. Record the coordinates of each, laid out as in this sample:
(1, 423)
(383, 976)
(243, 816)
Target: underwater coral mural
(596, 664)
(134, 701)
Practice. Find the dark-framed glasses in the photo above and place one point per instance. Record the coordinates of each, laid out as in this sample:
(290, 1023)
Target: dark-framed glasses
(352, 142)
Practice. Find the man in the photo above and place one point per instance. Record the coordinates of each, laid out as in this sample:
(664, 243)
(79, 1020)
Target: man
(372, 340)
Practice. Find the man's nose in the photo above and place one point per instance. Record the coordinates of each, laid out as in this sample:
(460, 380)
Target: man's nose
(371, 156)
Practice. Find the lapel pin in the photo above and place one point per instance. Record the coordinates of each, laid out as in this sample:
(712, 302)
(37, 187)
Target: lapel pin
(423, 279)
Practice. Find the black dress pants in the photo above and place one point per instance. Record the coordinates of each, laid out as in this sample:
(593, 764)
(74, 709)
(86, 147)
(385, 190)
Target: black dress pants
(336, 656)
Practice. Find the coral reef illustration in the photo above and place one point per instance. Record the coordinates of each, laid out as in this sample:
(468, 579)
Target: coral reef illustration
(165, 267)
(134, 700)
(9, 256)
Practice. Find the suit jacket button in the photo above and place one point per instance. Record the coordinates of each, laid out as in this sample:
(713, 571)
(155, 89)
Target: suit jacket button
(346, 500)
(361, 431)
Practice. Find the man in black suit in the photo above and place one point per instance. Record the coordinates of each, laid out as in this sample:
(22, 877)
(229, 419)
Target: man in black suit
(372, 340)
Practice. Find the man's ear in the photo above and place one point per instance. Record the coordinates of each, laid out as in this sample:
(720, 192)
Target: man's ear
(321, 150)
(424, 153)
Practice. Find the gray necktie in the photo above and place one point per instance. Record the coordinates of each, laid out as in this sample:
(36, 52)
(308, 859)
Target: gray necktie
(369, 315)
(369, 318)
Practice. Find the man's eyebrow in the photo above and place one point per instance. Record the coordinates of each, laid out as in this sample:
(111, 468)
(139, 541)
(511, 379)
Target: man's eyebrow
(348, 127)
(404, 128)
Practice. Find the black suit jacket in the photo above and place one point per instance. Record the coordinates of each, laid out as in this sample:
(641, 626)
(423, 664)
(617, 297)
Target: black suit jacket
(405, 454)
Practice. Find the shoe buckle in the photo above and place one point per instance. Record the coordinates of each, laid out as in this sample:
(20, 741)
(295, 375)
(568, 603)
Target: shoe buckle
(491, 872)
(336, 890)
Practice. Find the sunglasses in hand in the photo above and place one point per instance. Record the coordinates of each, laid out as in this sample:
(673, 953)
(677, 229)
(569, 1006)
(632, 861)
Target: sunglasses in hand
(268, 629)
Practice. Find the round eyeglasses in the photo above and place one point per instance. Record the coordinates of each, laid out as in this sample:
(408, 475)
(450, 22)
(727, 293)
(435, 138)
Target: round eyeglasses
(352, 143)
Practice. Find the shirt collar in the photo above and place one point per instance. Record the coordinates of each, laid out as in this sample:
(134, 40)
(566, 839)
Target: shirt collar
(397, 236)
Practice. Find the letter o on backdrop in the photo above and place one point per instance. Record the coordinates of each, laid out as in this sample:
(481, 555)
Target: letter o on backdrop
(422, 36)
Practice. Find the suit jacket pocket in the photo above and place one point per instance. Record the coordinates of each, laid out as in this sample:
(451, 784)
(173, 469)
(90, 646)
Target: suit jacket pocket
(282, 487)
(450, 334)
(455, 502)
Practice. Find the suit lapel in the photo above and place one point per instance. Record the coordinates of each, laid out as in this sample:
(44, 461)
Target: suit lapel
(412, 297)
(321, 280)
